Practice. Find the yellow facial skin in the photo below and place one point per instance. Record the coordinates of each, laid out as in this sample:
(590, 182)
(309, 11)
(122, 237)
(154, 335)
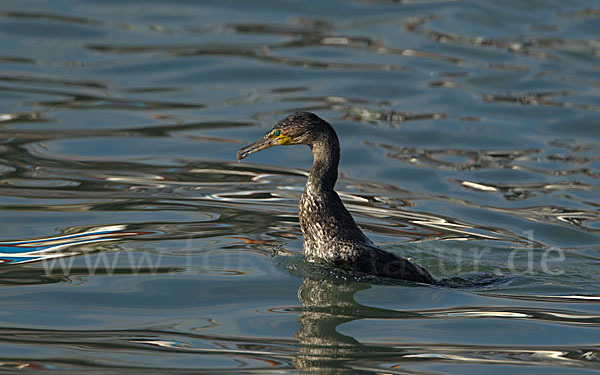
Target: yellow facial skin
(282, 139)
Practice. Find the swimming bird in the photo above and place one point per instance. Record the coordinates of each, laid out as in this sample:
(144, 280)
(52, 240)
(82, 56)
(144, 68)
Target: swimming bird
(331, 235)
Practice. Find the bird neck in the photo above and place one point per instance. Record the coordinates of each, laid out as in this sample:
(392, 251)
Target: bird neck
(326, 154)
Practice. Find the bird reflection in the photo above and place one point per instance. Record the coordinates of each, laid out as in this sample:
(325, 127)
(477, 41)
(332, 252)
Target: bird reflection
(327, 304)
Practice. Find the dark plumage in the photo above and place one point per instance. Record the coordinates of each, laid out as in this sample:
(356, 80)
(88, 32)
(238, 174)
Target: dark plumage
(330, 233)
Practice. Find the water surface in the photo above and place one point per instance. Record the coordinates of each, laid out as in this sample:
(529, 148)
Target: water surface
(133, 241)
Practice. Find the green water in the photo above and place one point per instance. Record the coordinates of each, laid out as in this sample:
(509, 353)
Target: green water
(470, 136)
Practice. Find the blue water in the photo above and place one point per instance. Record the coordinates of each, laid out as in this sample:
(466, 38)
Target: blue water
(134, 242)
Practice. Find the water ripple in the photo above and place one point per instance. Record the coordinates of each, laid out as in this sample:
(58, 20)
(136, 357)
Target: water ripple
(133, 241)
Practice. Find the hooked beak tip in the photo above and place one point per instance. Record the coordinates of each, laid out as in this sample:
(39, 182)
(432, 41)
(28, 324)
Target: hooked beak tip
(259, 145)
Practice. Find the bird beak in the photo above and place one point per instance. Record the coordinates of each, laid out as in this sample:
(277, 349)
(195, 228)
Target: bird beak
(257, 146)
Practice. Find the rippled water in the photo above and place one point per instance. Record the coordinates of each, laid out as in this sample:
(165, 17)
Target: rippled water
(132, 241)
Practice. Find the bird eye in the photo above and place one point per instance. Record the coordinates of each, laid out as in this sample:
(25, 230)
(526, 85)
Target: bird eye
(277, 133)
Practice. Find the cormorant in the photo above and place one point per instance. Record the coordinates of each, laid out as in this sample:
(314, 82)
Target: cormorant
(330, 234)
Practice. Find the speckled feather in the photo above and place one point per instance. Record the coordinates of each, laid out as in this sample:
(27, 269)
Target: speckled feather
(330, 233)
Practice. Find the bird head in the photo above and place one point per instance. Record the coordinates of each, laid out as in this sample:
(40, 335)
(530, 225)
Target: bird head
(297, 128)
